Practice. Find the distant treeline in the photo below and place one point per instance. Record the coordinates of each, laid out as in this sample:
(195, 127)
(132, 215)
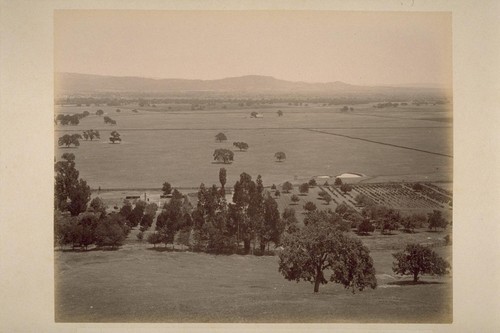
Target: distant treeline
(242, 102)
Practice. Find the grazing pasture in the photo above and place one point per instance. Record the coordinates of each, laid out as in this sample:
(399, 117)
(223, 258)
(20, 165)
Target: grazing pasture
(178, 146)
(138, 284)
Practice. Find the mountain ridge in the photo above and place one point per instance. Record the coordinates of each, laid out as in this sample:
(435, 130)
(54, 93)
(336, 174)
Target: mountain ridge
(92, 83)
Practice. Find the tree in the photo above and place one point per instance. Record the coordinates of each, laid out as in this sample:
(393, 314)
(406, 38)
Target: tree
(70, 192)
(221, 137)
(320, 246)
(277, 193)
(115, 136)
(167, 188)
(135, 216)
(287, 187)
(99, 112)
(312, 182)
(310, 206)
(253, 114)
(416, 259)
(242, 146)
(271, 226)
(436, 220)
(68, 140)
(327, 198)
(154, 238)
(280, 113)
(295, 199)
(365, 227)
(110, 233)
(304, 188)
(338, 181)
(224, 155)
(108, 120)
(363, 200)
(290, 220)
(91, 134)
(222, 177)
(98, 206)
(345, 188)
(280, 156)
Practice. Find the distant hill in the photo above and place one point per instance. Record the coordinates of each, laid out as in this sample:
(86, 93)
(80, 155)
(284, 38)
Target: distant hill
(73, 83)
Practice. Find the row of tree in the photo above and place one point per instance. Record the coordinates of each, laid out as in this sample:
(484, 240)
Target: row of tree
(74, 139)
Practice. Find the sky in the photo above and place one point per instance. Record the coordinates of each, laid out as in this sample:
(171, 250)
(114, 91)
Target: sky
(365, 48)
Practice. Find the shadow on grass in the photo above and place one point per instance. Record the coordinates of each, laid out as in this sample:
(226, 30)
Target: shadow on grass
(94, 249)
(220, 162)
(166, 249)
(413, 283)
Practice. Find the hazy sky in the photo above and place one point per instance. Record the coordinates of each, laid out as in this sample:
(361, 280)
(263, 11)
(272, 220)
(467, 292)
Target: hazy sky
(313, 46)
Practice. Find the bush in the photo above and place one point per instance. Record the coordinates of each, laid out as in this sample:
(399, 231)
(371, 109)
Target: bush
(365, 227)
(304, 188)
(310, 206)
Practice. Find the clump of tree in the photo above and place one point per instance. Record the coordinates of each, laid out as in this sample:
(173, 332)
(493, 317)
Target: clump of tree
(166, 188)
(224, 155)
(312, 182)
(242, 146)
(115, 137)
(413, 221)
(69, 139)
(221, 137)
(304, 188)
(70, 119)
(320, 246)
(280, 156)
(345, 188)
(71, 193)
(365, 227)
(387, 219)
(91, 134)
(287, 187)
(310, 206)
(436, 220)
(364, 200)
(108, 120)
(99, 112)
(416, 259)
(174, 217)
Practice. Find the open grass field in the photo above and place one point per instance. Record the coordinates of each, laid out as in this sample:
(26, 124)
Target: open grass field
(138, 284)
(178, 146)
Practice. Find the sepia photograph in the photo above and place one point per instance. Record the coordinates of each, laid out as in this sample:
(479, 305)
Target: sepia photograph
(249, 165)
(253, 166)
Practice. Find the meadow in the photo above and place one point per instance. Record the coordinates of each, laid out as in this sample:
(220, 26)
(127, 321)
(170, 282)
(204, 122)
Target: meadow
(139, 284)
(178, 146)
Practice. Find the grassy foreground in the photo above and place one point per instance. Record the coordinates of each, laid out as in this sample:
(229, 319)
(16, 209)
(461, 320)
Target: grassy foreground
(138, 284)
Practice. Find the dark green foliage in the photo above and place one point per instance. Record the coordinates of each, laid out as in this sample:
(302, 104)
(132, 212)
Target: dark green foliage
(108, 120)
(327, 198)
(224, 155)
(295, 198)
(91, 134)
(364, 200)
(98, 206)
(365, 227)
(320, 246)
(68, 140)
(280, 156)
(70, 192)
(109, 233)
(312, 182)
(154, 238)
(436, 220)
(277, 193)
(222, 177)
(220, 137)
(327, 216)
(290, 220)
(310, 206)
(242, 146)
(417, 187)
(338, 181)
(387, 219)
(273, 187)
(166, 188)
(271, 226)
(304, 188)
(126, 209)
(99, 112)
(115, 137)
(417, 259)
(345, 188)
(287, 187)
(136, 214)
